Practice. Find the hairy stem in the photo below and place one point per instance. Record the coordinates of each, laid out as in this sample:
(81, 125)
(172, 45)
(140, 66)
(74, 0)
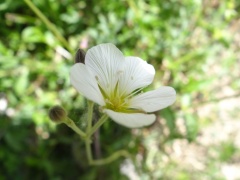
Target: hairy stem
(96, 146)
(70, 123)
(111, 158)
(89, 128)
(97, 125)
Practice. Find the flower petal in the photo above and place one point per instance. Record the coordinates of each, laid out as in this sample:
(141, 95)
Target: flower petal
(131, 120)
(137, 74)
(154, 100)
(82, 79)
(105, 61)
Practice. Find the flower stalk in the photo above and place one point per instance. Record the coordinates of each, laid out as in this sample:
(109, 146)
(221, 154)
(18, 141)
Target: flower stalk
(90, 131)
(58, 114)
(70, 123)
(89, 127)
(111, 158)
(100, 122)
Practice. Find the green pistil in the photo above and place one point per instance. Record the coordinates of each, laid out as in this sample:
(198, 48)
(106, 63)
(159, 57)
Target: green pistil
(116, 103)
(120, 105)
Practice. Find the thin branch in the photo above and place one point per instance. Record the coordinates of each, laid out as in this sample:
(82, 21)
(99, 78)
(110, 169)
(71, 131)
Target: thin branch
(50, 25)
(97, 125)
(111, 158)
(218, 99)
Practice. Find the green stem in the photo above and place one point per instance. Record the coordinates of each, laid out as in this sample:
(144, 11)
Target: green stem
(70, 123)
(111, 158)
(88, 150)
(97, 125)
(50, 25)
(89, 127)
(89, 117)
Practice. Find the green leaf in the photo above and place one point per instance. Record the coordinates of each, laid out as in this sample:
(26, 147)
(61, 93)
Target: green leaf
(21, 82)
(169, 116)
(33, 35)
(191, 124)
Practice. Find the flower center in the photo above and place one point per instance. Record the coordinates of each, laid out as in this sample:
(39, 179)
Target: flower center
(116, 103)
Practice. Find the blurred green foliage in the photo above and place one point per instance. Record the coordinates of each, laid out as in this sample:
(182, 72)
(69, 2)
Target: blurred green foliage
(181, 38)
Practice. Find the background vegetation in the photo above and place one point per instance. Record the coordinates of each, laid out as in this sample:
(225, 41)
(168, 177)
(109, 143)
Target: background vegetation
(194, 46)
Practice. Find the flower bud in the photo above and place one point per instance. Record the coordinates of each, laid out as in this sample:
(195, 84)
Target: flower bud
(80, 56)
(57, 114)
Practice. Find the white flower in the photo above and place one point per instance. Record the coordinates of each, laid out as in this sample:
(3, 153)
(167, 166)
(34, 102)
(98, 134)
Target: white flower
(114, 82)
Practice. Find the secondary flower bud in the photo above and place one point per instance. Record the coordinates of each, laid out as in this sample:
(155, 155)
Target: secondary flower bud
(80, 56)
(57, 114)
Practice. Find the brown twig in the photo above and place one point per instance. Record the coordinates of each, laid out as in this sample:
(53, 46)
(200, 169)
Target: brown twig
(218, 99)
